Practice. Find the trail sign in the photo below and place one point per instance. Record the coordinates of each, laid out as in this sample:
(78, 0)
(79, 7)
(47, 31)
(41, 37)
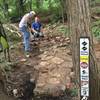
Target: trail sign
(84, 68)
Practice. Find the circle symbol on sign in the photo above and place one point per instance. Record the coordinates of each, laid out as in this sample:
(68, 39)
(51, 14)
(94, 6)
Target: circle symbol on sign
(84, 65)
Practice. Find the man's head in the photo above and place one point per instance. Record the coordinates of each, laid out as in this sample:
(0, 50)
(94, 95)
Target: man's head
(37, 19)
(32, 13)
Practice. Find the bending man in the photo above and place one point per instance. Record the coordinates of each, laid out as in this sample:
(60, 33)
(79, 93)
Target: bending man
(24, 29)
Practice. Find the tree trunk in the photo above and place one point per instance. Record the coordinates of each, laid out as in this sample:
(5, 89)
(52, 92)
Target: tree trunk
(30, 3)
(79, 21)
(21, 7)
(5, 8)
(62, 10)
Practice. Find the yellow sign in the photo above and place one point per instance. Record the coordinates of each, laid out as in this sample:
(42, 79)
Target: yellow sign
(84, 58)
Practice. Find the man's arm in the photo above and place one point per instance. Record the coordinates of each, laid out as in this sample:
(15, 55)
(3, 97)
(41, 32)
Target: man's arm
(33, 30)
(41, 29)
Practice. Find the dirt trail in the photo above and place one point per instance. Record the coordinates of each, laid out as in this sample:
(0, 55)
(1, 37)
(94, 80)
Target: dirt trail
(50, 62)
(50, 65)
(49, 59)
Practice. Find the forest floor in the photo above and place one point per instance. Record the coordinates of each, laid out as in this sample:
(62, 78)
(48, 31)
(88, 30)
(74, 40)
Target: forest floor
(50, 67)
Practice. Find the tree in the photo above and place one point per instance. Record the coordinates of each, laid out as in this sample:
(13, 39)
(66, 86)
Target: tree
(39, 4)
(79, 22)
(30, 3)
(20, 7)
(63, 9)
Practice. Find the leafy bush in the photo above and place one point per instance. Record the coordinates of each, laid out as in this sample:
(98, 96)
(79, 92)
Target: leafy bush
(96, 29)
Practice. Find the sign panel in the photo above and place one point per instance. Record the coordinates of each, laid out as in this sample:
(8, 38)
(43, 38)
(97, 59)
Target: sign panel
(84, 68)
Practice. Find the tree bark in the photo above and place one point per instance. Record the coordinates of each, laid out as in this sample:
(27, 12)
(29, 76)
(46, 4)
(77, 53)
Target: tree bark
(21, 6)
(63, 10)
(79, 23)
(30, 5)
(5, 8)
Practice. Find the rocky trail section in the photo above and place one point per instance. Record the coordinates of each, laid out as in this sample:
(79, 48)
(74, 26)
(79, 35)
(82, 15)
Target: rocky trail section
(50, 67)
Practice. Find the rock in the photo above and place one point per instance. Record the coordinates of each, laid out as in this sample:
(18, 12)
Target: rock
(15, 92)
(12, 47)
(58, 37)
(45, 53)
(68, 80)
(57, 60)
(39, 85)
(54, 90)
(53, 81)
(44, 63)
(23, 60)
(72, 74)
(44, 70)
(57, 75)
(67, 39)
(55, 47)
(53, 41)
(47, 58)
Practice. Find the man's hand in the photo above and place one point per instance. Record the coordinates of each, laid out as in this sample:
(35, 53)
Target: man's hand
(34, 31)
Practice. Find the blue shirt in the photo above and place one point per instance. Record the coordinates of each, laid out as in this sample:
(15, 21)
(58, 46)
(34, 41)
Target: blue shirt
(36, 26)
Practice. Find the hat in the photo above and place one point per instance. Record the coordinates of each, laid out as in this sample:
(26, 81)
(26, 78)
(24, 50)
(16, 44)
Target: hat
(32, 13)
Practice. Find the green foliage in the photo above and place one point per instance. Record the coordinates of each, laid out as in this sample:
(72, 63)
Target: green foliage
(2, 15)
(7, 66)
(97, 1)
(64, 30)
(15, 10)
(53, 7)
(96, 29)
(74, 92)
(95, 10)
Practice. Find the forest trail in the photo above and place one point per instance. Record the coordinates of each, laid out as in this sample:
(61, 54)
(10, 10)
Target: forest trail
(50, 65)
(50, 59)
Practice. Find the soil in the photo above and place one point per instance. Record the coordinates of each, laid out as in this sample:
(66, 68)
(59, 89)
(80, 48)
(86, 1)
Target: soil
(48, 71)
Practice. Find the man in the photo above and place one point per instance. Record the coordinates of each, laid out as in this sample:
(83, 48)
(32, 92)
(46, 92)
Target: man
(24, 29)
(37, 28)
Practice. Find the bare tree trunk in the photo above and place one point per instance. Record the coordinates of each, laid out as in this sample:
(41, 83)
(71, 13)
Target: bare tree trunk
(30, 5)
(21, 6)
(5, 8)
(62, 10)
(79, 19)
